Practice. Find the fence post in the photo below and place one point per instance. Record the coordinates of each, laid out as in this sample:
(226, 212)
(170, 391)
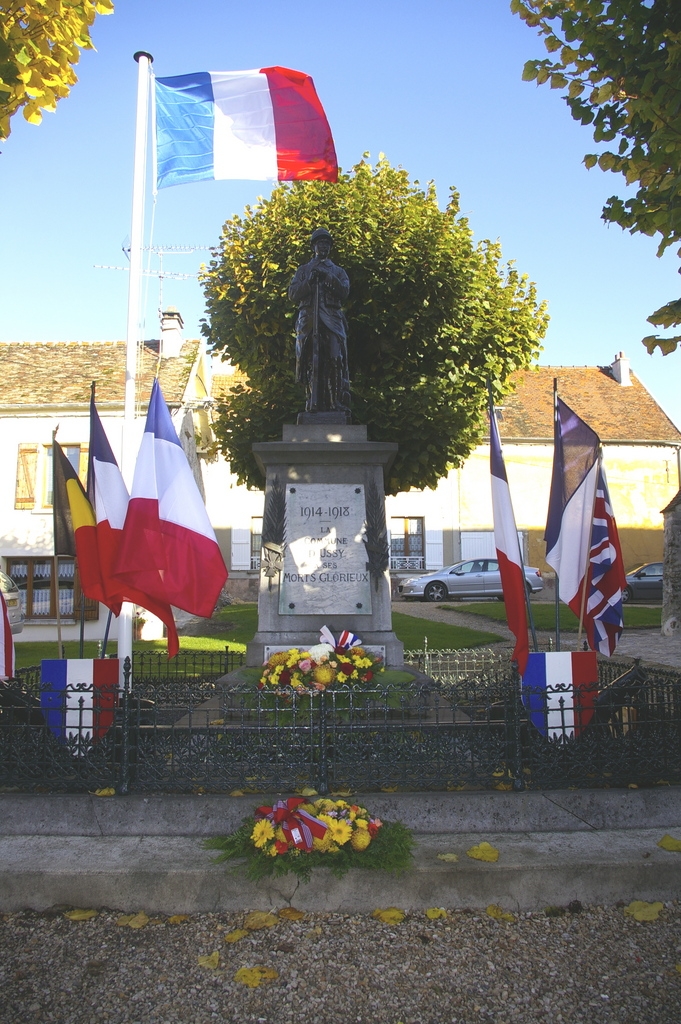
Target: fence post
(323, 784)
(517, 704)
(124, 786)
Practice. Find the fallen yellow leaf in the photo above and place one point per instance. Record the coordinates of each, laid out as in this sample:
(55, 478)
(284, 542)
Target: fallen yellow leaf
(678, 968)
(433, 913)
(642, 911)
(498, 913)
(178, 918)
(670, 843)
(212, 961)
(109, 791)
(313, 933)
(254, 976)
(80, 915)
(307, 791)
(258, 919)
(133, 920)
(138, 920)
(483, 851)
(236, 934)
(504, 787)
(341, 792)
(291, 914)
(450, 858)
(388, 789)
(218, 721)
(391, 915)
(237, 792)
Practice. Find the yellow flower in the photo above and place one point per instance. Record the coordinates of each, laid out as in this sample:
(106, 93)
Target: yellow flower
(279, 658)
(279, 834)
(271, 850)
(360, 840)
(323, 674)
(262, 832)
(360, 822)
(325, 844)
(340, 831)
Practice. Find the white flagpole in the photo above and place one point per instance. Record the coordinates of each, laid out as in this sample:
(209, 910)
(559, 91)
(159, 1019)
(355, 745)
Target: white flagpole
(144, 61)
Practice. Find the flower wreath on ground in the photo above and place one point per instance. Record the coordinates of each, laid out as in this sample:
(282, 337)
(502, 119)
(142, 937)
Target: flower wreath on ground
(296, 835)
(328, 663)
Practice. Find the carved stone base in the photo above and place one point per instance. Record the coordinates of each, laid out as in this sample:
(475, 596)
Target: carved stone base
(323, 417)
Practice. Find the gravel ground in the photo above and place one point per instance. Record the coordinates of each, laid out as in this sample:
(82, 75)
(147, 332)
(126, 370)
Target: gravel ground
(593, 966)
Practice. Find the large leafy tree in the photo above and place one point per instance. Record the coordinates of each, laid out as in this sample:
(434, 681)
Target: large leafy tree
(40, 41)
(432, 316)
(619, 62)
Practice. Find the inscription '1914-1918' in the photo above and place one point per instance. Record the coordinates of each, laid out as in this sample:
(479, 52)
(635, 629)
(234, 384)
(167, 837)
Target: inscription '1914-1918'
(325, 568)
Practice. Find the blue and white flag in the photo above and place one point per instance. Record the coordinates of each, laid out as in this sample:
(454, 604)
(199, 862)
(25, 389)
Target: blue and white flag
(264, 124)
(571, 504)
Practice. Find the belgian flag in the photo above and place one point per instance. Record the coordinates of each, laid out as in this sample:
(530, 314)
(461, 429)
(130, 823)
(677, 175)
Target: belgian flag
(75, 526)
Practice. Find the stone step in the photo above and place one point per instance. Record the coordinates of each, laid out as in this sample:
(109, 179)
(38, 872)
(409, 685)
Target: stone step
(146, 852)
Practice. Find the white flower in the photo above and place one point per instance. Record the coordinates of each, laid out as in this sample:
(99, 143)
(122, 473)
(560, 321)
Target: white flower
(320, 652)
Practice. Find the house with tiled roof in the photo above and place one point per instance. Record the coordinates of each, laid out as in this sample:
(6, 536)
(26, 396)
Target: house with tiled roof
(429, 529)
(46, 386)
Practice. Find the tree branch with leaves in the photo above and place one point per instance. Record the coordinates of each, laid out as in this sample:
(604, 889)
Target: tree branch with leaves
(619, 64)
(40, 42)
(432, 316)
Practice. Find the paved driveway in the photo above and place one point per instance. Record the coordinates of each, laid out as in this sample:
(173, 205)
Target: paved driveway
(647, 644)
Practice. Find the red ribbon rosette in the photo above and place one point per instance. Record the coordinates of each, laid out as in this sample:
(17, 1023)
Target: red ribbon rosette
(299, 827)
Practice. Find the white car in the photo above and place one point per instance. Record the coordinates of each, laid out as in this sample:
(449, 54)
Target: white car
(10, 592)
(477, 577)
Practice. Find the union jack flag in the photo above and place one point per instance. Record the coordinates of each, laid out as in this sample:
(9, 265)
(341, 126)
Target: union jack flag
(603, 617)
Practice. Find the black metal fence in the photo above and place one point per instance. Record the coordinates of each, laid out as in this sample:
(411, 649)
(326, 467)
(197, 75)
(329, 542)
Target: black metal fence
(467, 727)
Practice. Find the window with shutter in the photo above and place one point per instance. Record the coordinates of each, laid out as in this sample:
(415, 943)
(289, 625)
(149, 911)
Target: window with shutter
(27, 460)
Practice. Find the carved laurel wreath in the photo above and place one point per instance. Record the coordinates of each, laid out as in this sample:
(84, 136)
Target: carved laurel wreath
(376, 534)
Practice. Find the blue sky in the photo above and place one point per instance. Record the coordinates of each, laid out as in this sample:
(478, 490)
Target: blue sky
(436, 86)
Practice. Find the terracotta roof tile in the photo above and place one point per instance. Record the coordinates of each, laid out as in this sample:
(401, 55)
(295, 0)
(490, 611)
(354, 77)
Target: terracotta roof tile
(616, 413)
(224, 383)
(60, 373)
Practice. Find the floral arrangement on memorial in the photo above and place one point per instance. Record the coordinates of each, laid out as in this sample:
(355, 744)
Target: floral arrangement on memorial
(329, 663)
(296, 835)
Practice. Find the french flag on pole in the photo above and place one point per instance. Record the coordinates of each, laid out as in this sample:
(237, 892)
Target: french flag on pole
(559, 691)
(6, 643)
(109, 499)
(78, 697)
(508, 548)
(571, 502)
(262, 124)
(168, 549)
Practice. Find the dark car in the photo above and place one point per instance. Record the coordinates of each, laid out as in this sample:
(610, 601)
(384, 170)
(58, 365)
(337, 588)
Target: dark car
(644, 583)
(476, 577)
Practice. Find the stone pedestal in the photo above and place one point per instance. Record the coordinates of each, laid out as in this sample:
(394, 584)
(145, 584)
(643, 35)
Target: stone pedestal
(325, 543)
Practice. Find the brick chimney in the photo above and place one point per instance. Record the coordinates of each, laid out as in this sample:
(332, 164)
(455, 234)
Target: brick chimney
(171, 333)
(620, 370)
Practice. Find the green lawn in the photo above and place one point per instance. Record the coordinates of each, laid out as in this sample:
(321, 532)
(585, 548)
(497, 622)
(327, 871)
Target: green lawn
(635, 616)
(235, 625)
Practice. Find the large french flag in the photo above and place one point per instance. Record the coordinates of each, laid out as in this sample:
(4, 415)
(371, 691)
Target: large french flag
(560, 690)
(101, 537)
(571, 503)
(262, 124)
(79, 696)
(168, 548)
(508, 548)
(6, 643)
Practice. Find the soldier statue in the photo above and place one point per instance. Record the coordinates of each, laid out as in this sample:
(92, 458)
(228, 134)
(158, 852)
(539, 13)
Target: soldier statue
(319, 287)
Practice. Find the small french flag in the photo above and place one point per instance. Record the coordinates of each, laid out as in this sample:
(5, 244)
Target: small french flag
(78, 697)
(560, 690)
(264, 124)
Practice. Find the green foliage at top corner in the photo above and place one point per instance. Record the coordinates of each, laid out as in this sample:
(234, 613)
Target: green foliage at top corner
(619, 64)
(432, 316)
(40, 42)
